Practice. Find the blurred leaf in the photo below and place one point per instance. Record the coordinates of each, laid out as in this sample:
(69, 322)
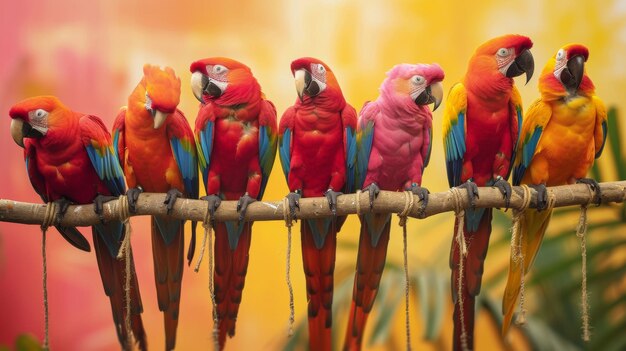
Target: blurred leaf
(27, 342)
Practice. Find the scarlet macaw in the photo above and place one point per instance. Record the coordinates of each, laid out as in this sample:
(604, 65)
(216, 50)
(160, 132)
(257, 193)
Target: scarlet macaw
(70, 159)
(481, 126)
(394, 140)
(563, 132)
(156, 149)
(317, 149)
(236, 136)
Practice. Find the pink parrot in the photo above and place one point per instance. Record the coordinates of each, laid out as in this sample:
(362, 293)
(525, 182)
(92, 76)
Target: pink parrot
(236, 137)
(394, 140)
(481, 127)
(70, 159)
(318, 156)
(156, 148)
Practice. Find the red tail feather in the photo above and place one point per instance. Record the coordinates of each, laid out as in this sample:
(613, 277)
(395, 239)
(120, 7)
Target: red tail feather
(477, 244)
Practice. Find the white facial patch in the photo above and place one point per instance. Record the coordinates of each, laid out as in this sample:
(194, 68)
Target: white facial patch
(504, 58)
(418, 85)
(561, 62)
(38, 119)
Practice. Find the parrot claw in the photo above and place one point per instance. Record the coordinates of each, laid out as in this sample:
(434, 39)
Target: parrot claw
(595, 187)
(373, 191)
(294, 202)
(472, 191)
(331, 195)
(170, 199)
(505, 189)
(422, 193)
(99, 202)
(214, 202)
(242, 205)
(63, 204)
(542, 196)
(132, 195)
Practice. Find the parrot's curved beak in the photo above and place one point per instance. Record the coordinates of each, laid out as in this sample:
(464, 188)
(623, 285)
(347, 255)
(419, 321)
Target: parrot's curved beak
(159, 118)
(572, 76)
(524, 63)
(201, 84)
(432, 94)
(16, 131)
(305, 85)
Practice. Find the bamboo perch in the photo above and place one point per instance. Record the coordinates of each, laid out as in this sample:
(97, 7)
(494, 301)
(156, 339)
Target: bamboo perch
(387, 201)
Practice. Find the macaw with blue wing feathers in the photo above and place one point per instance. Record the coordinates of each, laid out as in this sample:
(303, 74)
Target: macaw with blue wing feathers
(317, 149)
(156, 148)
(70, 159)
(394, 141)
(236, 135)
(563, 132)
(481, 126)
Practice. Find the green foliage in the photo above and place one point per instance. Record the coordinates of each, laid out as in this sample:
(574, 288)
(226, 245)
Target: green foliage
(24, 342)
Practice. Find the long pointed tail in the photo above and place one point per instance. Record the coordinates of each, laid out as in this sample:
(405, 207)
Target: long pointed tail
(168, 272)
(369, 270)
(532, 231)
(319, 268)
(112, 272)
(231, 267)
(477, 244)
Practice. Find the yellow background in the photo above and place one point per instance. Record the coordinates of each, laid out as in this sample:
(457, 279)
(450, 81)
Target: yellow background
(90, 55)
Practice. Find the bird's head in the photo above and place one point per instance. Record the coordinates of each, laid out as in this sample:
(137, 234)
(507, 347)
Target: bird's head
(162, 92)
(224, 81)
(35, 118)
(564, 74)
(418, 84)
(314, 79)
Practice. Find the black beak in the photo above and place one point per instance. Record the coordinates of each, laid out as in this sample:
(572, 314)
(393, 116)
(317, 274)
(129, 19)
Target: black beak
(572, 75)
(210, 88)
(431, 95)
(524, 63)
(29, 132)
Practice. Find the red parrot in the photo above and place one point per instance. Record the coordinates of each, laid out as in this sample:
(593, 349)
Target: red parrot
(236, 137)
(563, 132)
(394, 139)
(482, 121)
(156, 148)
(70, 159)
(317, 149)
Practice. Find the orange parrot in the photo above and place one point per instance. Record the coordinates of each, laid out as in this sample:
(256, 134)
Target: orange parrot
(156, 148)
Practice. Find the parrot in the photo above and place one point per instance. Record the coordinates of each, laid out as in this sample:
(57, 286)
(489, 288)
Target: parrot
(156, 148)
(236, 136)
(481, 123)
(563, 132)
(394, 140)
(70, 159)
(317, 149)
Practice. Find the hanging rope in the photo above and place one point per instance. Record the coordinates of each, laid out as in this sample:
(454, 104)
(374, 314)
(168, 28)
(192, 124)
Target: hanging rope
(408, 206)
(207, 224)
(124, 253)
(516, 248)
(288, 224)
(581, 231)
(459, 213)
(48, 220)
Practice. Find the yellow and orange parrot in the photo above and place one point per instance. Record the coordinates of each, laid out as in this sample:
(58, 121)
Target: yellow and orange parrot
(156, 148)
(563, 132)
(70, 159)
(236, 135)
(481, 125)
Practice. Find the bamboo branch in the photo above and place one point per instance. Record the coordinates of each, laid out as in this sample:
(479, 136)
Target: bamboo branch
(387, 202)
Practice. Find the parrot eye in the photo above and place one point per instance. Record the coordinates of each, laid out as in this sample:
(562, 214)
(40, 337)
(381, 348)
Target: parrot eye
(503, 52)
(219, 69)
(320, 68)
(560, 55)
(417, 80)
(40, 113)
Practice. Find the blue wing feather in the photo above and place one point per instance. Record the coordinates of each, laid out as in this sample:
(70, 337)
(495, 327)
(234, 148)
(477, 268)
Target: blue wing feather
(267, 154)
(455, 150)
(364, 146)
(528, 151)
(285, 152)
(187, 164)
(350, 160)
(108, 169)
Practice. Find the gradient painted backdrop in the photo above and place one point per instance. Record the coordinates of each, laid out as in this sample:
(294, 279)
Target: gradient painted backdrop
(90, 55)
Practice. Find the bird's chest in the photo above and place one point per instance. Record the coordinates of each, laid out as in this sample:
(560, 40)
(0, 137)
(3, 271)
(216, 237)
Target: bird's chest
(316, 132)
(235, 138)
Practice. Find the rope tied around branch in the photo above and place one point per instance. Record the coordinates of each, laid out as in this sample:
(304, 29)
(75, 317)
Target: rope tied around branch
(358, 202)
(289, 224)
(409, 201)
(581, 231)
(49, 217)
(459, 213)
(123, 213)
